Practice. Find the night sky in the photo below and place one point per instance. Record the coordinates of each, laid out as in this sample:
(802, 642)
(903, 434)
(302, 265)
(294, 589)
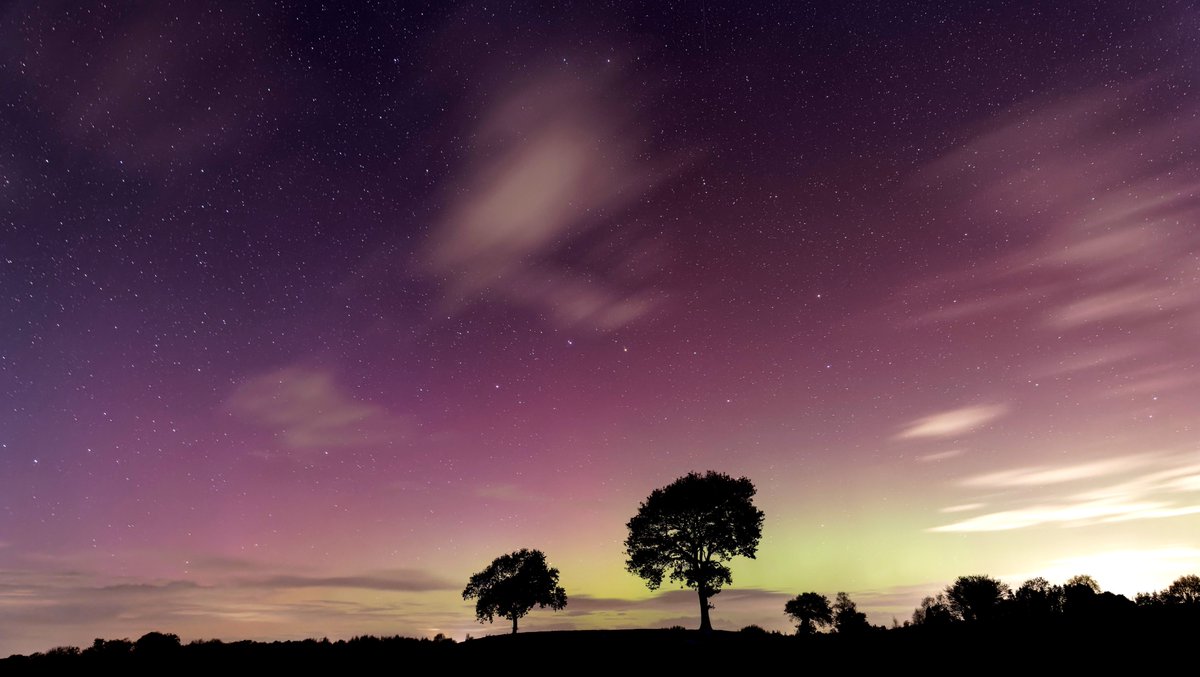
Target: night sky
(307, 312)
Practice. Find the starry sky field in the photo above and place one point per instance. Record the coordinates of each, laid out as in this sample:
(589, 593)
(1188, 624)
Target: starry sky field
(308, 311)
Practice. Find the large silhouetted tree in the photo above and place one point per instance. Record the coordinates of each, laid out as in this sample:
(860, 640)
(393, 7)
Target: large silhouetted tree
(976, 598)
(687, 530)
(809, 610)
(512, 585)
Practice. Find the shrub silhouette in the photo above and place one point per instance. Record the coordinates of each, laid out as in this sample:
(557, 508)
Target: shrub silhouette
(111, 649)
(847, 619)
(1185, 590)
(976, 597)
(156, 645)
(809, 611)
(1037, 600)
(934, 611)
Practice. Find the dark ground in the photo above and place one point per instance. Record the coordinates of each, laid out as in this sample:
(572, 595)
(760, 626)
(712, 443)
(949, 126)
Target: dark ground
(951, 650)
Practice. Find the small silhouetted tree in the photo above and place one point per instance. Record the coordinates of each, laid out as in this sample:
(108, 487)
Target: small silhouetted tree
(156, 645)
(934, 612)
(1148, 599)
(1037, 599)
(1079, 595)
(1185, 590)
(847, 619)
(687, 530)
(514, 584)
(110, 649)
(809, 610)
(1083, 582)
(976, 598)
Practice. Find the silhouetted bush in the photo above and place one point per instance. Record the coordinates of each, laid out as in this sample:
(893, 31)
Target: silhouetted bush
(156, 645)
(1185, 590)
(933, 612)
(847, 619)
(809, 611)
(976, 598)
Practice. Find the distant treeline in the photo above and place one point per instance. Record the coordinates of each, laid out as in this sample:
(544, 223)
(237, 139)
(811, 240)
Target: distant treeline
(156, 650)
(1080, 600)
(973, 614)
(981, 599)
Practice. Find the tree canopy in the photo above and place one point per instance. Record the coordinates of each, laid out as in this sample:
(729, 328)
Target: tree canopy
(809, 611)
(847, 619)
(1037, 599)
(512, 585)
(934, 611)
(687, 530)
(1185, 590)
(976, 598)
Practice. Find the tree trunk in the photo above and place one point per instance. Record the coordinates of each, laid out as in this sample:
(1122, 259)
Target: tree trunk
(514, 625)
(705, 623)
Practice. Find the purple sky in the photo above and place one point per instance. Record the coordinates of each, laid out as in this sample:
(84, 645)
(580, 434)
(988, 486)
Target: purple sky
(306, 313)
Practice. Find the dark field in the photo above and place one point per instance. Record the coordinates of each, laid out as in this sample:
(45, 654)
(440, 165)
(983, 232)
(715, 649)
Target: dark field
(1141, 645)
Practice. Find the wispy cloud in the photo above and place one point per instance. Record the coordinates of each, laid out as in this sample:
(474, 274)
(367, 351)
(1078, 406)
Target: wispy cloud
(1168, 486)
(1130, 301)
(1080, 513)
(530, 223)
(1112, 191)
(965, 507)
(952, 423)
(405, 580)
(1153, 380)
(74, 608)
(940, 455)
(134, 61)
(307, 412)
(1093, 358)
(1033, 476)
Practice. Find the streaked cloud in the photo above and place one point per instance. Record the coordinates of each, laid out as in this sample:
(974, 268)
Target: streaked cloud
(1128, 301)
(76, 607)
(940, 455)
(1167, 486)
(1041, 475)
(1070, 514)
(1112, 260)
(1153, 380)
(306, 411)
(965, 507)
(404, 580)
(531, 222)
(952, 423)
(1093, 358)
